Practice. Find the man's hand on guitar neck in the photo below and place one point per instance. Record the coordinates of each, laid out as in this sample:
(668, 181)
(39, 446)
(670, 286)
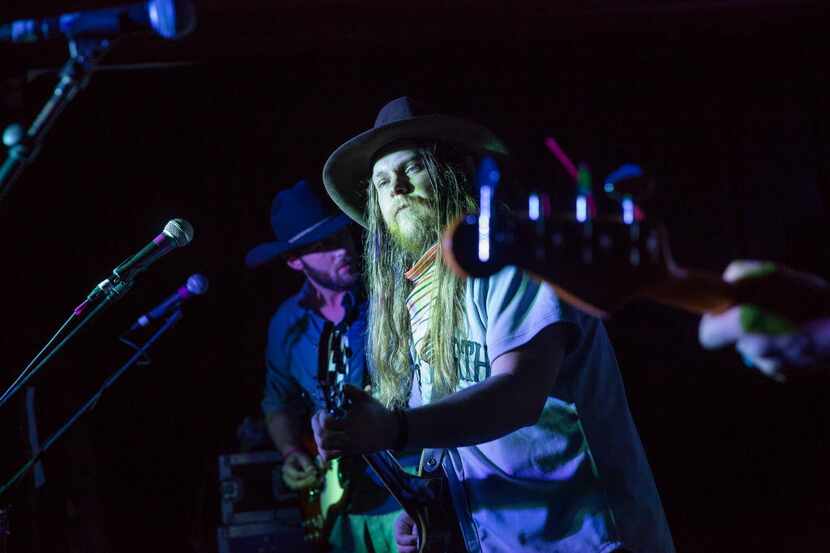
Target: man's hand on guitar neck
(767, 341)
(371, 427)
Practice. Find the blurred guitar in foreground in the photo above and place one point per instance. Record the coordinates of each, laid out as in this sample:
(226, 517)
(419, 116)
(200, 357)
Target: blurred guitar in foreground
(599, 263)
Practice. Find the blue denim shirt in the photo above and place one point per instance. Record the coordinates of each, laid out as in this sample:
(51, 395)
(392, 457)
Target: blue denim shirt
(292, 354)
(291, 381)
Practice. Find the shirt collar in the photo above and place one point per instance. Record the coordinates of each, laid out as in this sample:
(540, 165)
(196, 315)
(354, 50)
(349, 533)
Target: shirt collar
(422, 264)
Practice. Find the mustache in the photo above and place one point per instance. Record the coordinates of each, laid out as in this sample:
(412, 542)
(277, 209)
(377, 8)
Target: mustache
(345, 262)
(410, 202)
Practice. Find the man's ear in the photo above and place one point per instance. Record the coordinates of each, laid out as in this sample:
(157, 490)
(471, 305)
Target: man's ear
(294, 263)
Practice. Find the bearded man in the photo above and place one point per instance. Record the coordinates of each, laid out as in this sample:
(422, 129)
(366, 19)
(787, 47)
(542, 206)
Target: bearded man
(516, 396)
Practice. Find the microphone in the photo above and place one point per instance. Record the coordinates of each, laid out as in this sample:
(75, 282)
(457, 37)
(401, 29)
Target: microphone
(168, 18)
(196, 285)
(176, 233)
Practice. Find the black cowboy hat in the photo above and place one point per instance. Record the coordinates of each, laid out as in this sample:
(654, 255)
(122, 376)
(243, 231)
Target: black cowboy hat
(401, 119)
(299, 218)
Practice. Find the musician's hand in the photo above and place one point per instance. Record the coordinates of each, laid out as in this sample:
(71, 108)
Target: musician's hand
(406, 534)
(299, 471)
(367, 427)
(765, 340)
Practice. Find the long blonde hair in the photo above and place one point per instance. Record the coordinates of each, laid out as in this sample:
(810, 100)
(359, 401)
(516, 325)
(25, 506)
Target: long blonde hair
(389, 332)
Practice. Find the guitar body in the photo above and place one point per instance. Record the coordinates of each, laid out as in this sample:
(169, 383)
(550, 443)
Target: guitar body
(426, 499)
(333, 494)
(320, 504)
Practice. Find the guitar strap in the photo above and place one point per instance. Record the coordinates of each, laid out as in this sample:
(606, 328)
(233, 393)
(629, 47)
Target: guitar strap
(445, 459)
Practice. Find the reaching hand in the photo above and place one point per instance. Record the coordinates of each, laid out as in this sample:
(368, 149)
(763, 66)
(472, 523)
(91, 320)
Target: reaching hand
(766, 340)
(299, 471)
(367, 426)
(406, 534)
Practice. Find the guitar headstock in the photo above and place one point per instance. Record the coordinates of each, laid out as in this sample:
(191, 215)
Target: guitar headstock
(596, 261)
(597, 266)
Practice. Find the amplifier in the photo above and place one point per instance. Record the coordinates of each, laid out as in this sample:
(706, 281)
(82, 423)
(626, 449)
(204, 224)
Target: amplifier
(258, 512)
(263, 537)
(251, 489)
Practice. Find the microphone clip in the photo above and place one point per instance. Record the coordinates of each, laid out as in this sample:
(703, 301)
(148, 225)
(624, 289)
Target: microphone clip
(108, 289)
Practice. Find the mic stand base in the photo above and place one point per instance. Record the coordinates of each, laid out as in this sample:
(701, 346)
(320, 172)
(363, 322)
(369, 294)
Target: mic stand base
(173, 319)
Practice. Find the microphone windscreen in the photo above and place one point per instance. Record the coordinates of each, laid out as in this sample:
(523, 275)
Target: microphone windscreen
(172, 18)
(180, 231)
(197, 284)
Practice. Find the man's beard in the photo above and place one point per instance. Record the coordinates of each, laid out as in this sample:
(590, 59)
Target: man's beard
(422, 234)
(330, 281)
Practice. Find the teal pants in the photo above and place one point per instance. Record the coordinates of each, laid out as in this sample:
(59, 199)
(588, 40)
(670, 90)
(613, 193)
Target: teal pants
(358, 533)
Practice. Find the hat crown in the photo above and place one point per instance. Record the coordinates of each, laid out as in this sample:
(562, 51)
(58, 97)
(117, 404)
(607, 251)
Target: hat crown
(401, 109)
(297, 209)
(299, 217)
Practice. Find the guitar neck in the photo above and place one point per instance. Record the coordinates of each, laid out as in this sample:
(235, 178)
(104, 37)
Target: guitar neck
(701, 292)
(403, 486)
(693, 291)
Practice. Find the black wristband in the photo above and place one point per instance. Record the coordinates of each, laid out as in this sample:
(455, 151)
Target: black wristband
(403, 429)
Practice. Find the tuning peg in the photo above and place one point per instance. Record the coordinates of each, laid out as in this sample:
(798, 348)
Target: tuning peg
(628, 180)
(629, 186)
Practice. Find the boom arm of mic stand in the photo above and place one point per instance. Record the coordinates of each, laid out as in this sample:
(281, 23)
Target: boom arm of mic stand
(171, 320)
(113, 292)
(84, 55)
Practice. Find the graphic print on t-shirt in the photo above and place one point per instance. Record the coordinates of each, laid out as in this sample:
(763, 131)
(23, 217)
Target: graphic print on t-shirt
(472, 361)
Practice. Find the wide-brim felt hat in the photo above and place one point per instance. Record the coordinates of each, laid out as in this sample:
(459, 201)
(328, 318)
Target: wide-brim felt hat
(401, 120)
(299, 217)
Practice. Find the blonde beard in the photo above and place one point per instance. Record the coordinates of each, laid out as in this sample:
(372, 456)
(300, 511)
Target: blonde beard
(421, 238)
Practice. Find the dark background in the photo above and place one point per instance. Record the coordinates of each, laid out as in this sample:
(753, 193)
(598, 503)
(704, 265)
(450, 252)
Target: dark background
(723, 102)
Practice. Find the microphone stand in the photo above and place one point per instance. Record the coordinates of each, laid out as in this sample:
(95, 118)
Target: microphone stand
(4, 529)
(168, 323)
(84, 55)
(105, 293)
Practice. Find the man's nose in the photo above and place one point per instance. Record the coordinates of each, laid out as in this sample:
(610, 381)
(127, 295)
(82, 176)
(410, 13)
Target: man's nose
(401, 185)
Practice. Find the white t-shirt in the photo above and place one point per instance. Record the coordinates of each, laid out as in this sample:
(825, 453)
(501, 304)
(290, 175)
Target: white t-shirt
(542, 487)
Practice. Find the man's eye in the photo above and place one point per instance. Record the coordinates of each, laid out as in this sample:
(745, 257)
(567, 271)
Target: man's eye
(381, 182)
(414, 167)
